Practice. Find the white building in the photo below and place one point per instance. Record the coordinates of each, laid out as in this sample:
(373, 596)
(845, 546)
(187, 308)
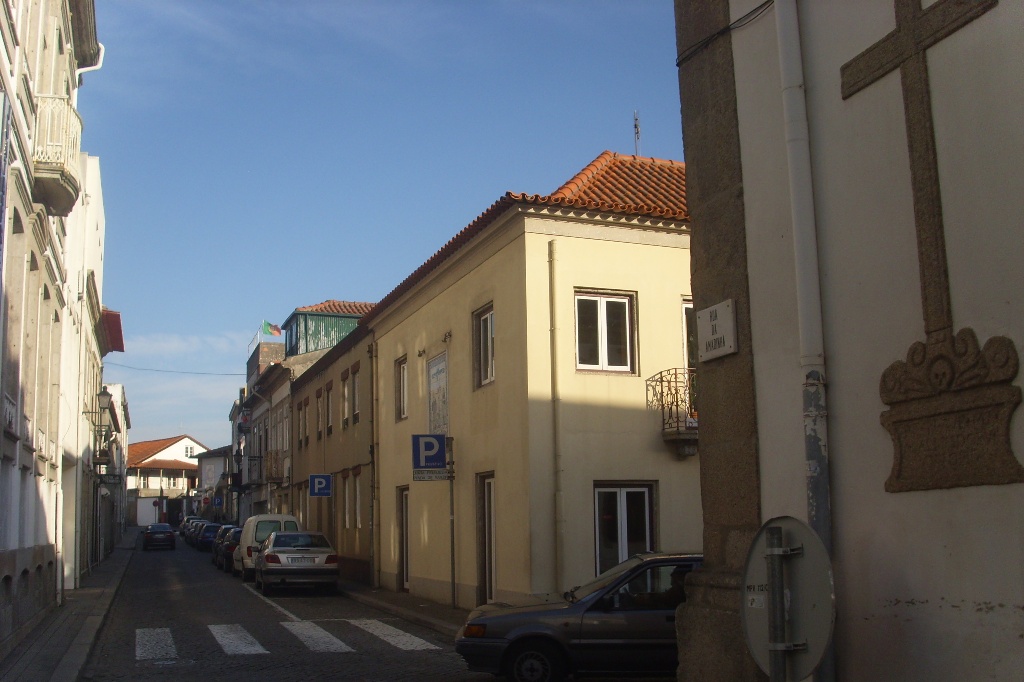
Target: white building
(860, 163)
(52, 320)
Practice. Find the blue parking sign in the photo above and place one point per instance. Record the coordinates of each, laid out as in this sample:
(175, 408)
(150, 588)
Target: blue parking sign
(429, 458)
(319, 485)
(428, 452)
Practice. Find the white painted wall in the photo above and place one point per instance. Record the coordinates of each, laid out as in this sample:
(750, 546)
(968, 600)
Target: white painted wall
(930, 585)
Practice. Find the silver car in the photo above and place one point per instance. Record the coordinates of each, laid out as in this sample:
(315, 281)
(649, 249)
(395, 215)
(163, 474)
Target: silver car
(289, 558)
(622, 622)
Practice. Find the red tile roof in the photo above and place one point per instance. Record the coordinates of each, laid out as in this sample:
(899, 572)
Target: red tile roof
(170, 464)
(611, 183)
(143, 450)
(624, 184)
(337, 308)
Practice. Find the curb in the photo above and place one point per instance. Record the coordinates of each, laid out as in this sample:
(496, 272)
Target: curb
(436, 624)
(73, 661)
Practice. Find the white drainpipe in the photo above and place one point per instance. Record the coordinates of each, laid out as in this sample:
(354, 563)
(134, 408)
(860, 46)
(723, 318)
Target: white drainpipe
(556, 417)
(808, 288)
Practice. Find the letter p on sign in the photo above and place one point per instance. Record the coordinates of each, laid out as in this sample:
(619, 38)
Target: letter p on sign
(428, 452)
(320, 485)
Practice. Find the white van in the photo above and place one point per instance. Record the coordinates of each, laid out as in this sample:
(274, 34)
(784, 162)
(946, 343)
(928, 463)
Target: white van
(254, 531)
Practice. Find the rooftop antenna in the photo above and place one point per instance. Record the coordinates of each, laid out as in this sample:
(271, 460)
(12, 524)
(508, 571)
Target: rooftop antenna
(636, 132)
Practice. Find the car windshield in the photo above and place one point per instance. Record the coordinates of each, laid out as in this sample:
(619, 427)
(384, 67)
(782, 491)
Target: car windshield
(601, 581)
(159, 526)
(301, 540)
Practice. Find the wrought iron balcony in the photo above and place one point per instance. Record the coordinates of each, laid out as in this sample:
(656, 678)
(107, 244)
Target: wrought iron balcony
(55, 154)
(674, 393)
(274, 472)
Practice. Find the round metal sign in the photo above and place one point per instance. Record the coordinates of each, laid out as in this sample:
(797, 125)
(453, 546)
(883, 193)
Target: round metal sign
(809, 598)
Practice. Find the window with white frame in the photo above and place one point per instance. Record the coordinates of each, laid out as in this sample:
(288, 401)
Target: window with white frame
(329, 407)
(401, 388)
(348, 501)
(346, 399)
(483, 345)
(604, 331)
(358, 496)
(319, 414)
(355, 394)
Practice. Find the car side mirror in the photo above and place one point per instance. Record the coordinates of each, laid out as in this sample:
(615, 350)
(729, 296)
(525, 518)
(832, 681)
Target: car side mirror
(608, 602)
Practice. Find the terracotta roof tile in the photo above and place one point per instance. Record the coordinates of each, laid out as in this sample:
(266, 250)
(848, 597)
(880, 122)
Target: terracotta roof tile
(337, 308)
(143, 450)
(624, 184)
(169, 464)
(611, 183)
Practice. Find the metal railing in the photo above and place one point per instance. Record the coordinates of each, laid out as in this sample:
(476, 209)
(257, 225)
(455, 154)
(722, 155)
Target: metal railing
(674, 392)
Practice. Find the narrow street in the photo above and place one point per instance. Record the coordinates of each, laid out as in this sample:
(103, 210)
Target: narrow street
(177, 617)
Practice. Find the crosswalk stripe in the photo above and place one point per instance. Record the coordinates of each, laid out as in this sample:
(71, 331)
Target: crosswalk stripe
(316, 638)
(154, 643)
(393, 636)
(233, 639)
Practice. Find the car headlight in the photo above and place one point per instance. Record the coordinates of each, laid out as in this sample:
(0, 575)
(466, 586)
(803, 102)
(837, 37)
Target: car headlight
(474, 630)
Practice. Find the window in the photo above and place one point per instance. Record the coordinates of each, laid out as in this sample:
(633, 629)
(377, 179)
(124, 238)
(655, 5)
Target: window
(355, 486)
(345, 399)
(604, 332)
(329, 407)
(298, 420)
(401, 388)
(319, 414)
(355, 394)
(483, 345)
(622, 523)
(347, 500)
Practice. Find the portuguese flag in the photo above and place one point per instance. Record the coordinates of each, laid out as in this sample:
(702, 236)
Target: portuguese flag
(271, 329)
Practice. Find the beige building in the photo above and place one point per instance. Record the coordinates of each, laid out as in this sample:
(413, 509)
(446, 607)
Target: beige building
(859, 161)
(332, 413)
(528, 341)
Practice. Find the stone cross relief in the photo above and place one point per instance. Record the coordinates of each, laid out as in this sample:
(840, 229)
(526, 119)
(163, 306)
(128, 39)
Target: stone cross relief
(950, 402)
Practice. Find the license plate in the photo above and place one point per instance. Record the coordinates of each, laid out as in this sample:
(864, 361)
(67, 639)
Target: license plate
(301, 560)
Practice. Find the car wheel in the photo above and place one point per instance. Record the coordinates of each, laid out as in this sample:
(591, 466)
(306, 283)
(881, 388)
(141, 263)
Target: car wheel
(536, 662)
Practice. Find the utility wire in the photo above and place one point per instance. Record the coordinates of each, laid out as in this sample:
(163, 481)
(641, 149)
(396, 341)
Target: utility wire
(174, 371)
(689, 53)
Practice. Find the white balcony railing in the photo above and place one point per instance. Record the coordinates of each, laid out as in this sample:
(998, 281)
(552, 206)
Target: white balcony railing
(55, 153)
(58, 132)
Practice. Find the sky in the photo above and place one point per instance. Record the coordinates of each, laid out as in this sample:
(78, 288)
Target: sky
(258, 156)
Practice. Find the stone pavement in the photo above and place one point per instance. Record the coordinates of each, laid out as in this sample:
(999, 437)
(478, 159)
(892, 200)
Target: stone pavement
(57, 649)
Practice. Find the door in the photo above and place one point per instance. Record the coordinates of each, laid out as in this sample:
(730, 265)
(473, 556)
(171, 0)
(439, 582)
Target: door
(486, 539)
(403, 539)
(622, 523)
(632, 628)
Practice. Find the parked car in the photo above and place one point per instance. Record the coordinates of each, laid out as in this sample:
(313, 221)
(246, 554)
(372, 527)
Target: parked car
(287, 559)
(621, 623)
(227, 550)
(254, 531)
(185, 523)
(191, 528)
(158, 535)
(218, 540)
(205, 536)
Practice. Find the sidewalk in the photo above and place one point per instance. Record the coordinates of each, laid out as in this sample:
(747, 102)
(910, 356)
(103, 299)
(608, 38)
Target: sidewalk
(56, 651)
(59, 646)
